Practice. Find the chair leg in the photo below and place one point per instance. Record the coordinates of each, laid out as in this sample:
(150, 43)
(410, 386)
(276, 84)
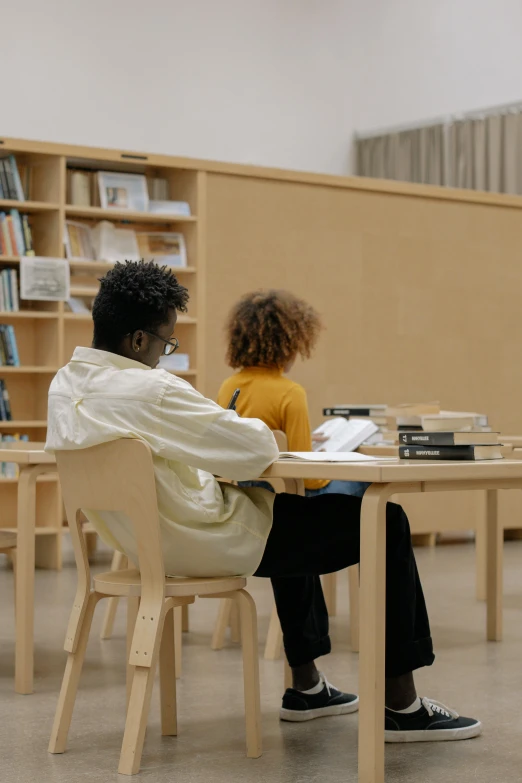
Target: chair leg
(185, 616)
(71, 678)
(169, 724)
(119, 562)
(353, 586)
(274, 639)
(330, 593)
(234, 620)
(133, 605)
(249, 640)
(178, 639)
(137, 716)
(220, 629)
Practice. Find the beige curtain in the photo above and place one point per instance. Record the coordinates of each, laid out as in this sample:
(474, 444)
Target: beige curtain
(483, 154)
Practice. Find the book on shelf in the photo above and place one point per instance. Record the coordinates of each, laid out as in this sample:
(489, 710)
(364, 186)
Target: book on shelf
(8, 347)
(82, 188)
(175, 362)
(451, 452)
(164, 247)
(5, 403)
(45, 279)
(158, 188)
(114, 244)
(78, 241)
(78, 306)
(365, 409)
(343, 434)
(9, 301)
(10, 180)
(11, 469)
(448, 438)
(15, 234)
(175, 208)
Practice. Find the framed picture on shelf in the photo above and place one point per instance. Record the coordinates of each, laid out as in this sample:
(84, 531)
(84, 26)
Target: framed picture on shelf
(123, 191)
(78, 241)
(163, 247)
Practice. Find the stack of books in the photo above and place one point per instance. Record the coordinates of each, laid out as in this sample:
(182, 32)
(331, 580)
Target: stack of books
(10, 469)
(11, 177)
(16, 237)
(5, 403)
(8, 347)
(423, 431)
(9, 300)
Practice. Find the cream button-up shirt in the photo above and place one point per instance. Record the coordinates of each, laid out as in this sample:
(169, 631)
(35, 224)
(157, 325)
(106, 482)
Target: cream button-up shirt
(207, 528)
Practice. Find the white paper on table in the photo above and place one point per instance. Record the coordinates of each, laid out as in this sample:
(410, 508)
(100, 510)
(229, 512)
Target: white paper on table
(331, 456)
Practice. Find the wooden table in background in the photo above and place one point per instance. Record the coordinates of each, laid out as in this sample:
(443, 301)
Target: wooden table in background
(389, 478)
(33, 461)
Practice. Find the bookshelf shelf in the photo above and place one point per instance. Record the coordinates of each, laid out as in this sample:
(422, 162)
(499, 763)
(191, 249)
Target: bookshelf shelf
(98, 213)
(48, 333)
(27, 369)
(40, 530)
(28, 315)
(49, 478)
(106, 266)
(21, 424)
(28, 206)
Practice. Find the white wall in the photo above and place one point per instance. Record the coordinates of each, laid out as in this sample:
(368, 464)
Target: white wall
(428, 58)
(258, 81)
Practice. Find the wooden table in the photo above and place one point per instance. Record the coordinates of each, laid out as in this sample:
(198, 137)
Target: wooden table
(33, 461)
(389, 478)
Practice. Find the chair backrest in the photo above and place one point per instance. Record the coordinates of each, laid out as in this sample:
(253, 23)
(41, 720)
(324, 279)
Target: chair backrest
(281, 440)
(114, 476)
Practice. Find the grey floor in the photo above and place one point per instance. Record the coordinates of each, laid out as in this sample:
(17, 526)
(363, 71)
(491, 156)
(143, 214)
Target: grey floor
(475, 677)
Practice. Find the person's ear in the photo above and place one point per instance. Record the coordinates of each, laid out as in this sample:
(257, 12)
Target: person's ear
(137, 341)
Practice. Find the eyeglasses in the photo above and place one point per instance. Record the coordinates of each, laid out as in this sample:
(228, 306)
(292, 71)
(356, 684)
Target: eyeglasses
(170, 345)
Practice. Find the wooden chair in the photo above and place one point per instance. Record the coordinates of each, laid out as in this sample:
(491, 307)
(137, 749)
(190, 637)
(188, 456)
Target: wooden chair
(228, 617)
(119, 476)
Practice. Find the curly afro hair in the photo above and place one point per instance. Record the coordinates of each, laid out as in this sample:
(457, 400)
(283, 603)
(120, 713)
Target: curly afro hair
(270, 328)
(134, 295)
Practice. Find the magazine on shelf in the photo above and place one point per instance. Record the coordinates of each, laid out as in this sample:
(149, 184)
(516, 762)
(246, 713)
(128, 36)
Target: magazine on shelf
(44, 279)
(114, 244)
(78, 241)
(163, 247)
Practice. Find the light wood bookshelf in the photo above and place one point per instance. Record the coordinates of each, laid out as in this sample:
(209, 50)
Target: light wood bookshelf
(47, 333)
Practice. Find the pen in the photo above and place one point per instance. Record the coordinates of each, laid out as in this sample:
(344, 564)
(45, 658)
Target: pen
(232, 404)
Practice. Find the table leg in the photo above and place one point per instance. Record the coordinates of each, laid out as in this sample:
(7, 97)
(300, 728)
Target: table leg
(495, 552)
(372, 634)
(26, 514)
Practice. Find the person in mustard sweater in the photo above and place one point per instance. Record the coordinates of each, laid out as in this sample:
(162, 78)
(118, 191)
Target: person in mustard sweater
(266, 331)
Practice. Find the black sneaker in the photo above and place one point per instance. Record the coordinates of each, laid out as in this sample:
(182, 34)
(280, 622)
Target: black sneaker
(433, 722)
(299, 706)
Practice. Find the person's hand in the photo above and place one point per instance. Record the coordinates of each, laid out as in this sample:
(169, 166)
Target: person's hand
(317, 439)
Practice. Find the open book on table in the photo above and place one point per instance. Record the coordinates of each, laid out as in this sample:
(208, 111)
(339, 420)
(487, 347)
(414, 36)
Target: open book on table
(343, 434)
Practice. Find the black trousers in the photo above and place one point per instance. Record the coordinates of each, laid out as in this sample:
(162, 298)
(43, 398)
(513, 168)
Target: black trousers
(318, 535)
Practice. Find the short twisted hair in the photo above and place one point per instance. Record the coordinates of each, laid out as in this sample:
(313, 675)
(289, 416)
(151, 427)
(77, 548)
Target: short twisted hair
(270, 328)
(135, 295)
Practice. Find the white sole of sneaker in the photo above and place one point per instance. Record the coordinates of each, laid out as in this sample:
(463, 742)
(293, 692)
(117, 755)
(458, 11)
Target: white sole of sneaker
(297, 716)
(435, 735)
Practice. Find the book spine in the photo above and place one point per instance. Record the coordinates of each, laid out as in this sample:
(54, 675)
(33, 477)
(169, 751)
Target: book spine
(15, 304)
(28, 236)
(18, 232)
(436, 452)
(5, 289)
(13, 346)
(3, 347)
(427, 438)
(10, 179)
(3, 410)
(16, 179)
(3, 307)
(346, 411)
(6, 401)
(3, 180)
(12, 235)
